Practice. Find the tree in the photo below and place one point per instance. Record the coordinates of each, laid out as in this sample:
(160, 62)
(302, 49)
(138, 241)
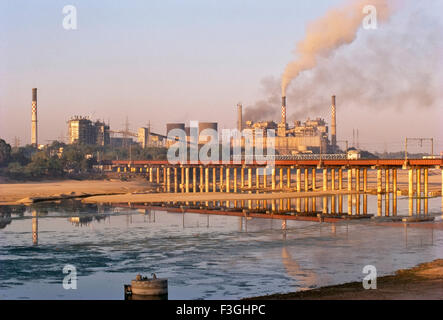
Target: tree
(5, 153)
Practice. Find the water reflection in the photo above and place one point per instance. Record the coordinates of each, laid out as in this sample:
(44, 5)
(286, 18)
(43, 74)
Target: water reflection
(305, 278)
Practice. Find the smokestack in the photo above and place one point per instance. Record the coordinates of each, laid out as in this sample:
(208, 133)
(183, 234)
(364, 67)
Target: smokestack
(283, 110)
(333, 123)
(240, 117)
(34, 139)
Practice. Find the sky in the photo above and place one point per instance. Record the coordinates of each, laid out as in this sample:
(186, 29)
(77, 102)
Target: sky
(176, 61)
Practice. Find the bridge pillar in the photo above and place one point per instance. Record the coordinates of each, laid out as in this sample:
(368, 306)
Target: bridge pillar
(379, 180)
(298, 179)
(418, 171)
(257, 178)
(158, 174)
(265, 178)
(365, 204)
(350, 203)
(426, 179)
(288, 177)
(168, 179)
(349, 179)
(249, 177)
(235, 179)
(228, 178)
(194, 179)
(221, 179)
(273, 178)
(202, 180)
(379, 204)
(314, 179)
(387, 180)
(357, 181)
(281, 178)
(242, 177)
(214, 179)
(340, 179)
(325, 202)
(394, 182)
(411, 182)
(325, 179)
(187, 180)
(332, 179)
(175, 180)
(150, 174)
(340, 204)
(365, 179)
(206, 179)
(306, 177)
(182, 179)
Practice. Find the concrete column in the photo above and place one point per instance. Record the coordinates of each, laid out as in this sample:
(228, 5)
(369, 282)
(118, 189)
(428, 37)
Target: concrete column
(325, 203)
(164, 176)
(175, 180)
(182, 180)
(281, 178)
(411, 182)
(150, 174)
(273, 178)
(257, 178)
(298, 179)
(228, 178)
(206, 179)
(357, 181)
(365, 180)
(314, 179)
(325, 179)
(249, 178)
(333, 206)
(201, 186)
(265, 178)
(158, 174)
(214, 179)
(242, 177)
(418, 171)
(379, 180)
(357, 202)
(194, 179)
(168, 179)
(379, 205)
(340, 204)
(340, 179)
(426, 179)
(235, 179)
(387, 180)
(288, 177)
(365, 204)
(332, 179)
(187, 179)
(394, 182)
(349, 179)
(221, 179)
(306, 177)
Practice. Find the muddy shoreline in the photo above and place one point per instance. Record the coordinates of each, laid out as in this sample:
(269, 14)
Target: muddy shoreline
(423, 282)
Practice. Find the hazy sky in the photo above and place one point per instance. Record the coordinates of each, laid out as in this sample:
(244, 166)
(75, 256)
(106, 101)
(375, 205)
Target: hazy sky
(174, 61)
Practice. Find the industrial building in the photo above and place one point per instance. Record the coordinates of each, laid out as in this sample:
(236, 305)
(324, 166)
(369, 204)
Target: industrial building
(201, 126)
(311, 136)
(83, 131)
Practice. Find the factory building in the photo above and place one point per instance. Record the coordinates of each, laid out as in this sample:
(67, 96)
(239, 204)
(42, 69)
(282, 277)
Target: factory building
(84, 131)
(311, 136)
(188, 131)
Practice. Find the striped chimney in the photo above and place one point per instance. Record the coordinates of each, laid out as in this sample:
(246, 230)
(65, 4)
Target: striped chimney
(34, 137)
(283, 110)
(333, 123)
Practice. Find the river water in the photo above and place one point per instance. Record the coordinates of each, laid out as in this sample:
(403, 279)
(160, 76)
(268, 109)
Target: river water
(203, 256)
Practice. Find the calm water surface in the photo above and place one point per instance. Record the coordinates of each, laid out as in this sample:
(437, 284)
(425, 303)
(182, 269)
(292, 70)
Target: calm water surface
(204, 257)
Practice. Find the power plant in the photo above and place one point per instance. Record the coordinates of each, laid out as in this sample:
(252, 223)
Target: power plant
(311, 136)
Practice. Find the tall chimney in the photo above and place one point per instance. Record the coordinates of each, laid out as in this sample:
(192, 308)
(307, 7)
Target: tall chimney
(333, 124)
(34, 139)
(283, 110)
(240, 117)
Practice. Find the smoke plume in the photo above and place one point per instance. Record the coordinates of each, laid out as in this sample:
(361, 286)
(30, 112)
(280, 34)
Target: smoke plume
(338, 27)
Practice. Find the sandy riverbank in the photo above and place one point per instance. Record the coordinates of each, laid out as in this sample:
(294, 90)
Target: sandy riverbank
(11, 193)
(423, 282)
